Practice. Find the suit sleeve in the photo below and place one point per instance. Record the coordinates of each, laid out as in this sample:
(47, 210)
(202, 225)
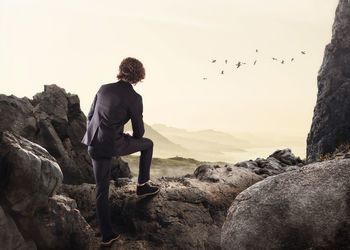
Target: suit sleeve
(91, 112)
(136, 116)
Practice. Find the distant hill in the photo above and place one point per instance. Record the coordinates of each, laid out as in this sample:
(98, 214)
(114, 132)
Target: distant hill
(215, 139)
(203, 144)
(163, 147)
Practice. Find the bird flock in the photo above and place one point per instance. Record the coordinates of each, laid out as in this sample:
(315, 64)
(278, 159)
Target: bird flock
(240, 63)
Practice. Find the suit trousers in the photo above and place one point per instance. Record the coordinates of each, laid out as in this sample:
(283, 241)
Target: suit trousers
(102, 172)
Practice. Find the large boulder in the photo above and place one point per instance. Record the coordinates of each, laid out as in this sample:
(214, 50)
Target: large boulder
(187, 213)
(278, 162)
(28, 173)
(54, 120)
(331, 121)
(304, 209)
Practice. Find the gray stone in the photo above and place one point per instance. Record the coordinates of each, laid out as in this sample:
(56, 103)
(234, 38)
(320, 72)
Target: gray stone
(278, 162)
(304, 209)
(61, 226)
(286, 156)
(17, 116)
(28, 173)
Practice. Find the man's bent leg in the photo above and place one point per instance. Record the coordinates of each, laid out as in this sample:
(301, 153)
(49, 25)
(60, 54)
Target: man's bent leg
(102, 173)
(145, 145)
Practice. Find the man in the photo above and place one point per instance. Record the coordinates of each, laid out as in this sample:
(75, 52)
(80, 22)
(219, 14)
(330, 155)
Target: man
(113, 106)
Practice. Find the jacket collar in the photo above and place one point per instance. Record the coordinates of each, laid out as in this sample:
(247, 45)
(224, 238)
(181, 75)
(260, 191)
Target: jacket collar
(124, 82)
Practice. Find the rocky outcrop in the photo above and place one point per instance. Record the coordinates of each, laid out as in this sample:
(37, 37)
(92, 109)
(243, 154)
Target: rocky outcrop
(331, 121)
(31, 215)
(28, 173)
(303, 209)
(53, 119)
(279, 162)
(187, 213)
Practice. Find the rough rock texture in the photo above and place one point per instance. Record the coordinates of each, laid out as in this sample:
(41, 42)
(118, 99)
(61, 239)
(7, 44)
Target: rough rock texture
(10, 236)
(28, 173)
(341, 152)
(187, 213)
(53, 119)
(31, 215)
(303, 209)
(61, 226)
(331, 121)
(278, 162)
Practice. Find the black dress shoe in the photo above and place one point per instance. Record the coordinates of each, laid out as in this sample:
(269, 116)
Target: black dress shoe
(109, 240)
(146, 190)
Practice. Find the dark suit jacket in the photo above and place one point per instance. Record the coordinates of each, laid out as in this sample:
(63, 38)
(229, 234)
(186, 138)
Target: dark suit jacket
(113, 106)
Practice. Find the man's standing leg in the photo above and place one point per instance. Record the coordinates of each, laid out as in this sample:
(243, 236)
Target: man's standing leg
(102, 173)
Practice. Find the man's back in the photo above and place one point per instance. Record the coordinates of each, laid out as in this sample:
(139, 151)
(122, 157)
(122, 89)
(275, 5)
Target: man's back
(113, 106)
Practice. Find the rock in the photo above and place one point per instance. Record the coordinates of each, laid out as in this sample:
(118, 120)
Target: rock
(224, 174)
(61, 226)
(17, 116)
(331, 120)
(304, 209)
(31, 215)
(286, 156)
(10, 236)
(59, 119)
(187, 213)
(119, 169)
(54, 120)
(278, 162)
(85, 196)
(28, 173)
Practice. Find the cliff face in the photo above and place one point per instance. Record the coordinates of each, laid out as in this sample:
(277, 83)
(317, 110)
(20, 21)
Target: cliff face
(331, 121)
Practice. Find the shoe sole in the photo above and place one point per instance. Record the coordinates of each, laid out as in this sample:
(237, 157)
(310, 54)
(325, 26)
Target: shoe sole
(144, 195)
(108, 243)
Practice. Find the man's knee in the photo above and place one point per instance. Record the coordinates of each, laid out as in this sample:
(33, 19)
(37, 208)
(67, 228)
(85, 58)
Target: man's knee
(149, 143)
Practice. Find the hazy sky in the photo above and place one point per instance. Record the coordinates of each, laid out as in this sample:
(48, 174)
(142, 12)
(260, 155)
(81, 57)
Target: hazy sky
(78, 45)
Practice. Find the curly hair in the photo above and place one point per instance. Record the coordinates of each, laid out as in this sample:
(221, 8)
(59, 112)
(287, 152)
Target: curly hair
(131, 70)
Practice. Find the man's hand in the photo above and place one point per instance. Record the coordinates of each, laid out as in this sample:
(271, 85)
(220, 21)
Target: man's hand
(129, 133)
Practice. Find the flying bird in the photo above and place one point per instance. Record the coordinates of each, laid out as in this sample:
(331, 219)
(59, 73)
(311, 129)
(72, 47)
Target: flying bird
(213, 61)
(222, 72)
(303, 52)
(292, 59)
(204, 78)
(274, 58)
(256, 50)
(226, 61)
(282, 61)
(254, 62)
(239, 64)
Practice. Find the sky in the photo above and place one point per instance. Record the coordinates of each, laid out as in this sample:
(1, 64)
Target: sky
(79, 45)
